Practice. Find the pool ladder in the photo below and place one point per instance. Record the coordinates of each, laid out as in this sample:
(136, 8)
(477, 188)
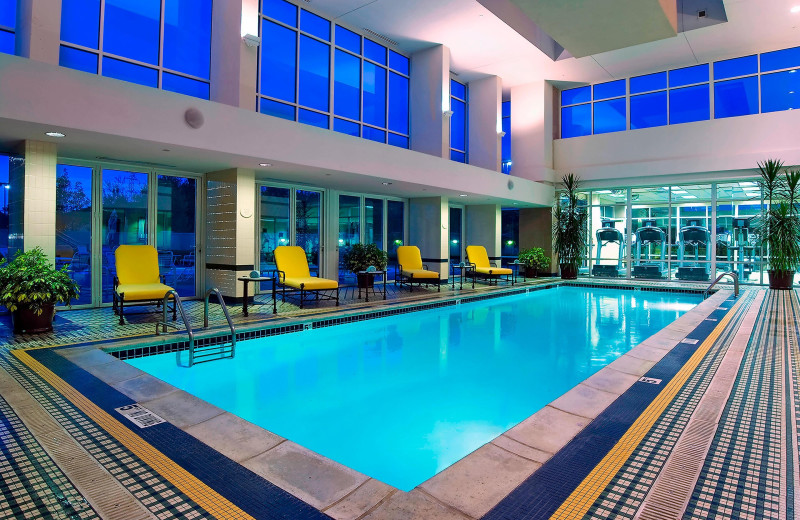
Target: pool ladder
(202, 353)
(735, 278)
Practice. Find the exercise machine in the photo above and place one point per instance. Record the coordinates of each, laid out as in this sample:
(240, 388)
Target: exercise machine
(606, 235)
(740, 247)
(694, 235)
(648, 236)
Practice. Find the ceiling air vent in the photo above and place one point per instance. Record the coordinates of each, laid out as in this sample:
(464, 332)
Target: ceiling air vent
(382, 37)
(701, 13)
(135, 163)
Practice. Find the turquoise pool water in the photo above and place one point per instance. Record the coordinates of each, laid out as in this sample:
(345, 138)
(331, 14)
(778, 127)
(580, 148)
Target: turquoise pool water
(402, 398)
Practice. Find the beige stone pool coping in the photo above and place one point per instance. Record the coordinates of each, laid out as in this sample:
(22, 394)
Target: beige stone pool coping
(466, 490)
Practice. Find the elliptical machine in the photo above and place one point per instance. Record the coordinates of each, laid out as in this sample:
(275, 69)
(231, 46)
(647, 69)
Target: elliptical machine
(646, 236)
(606, 235)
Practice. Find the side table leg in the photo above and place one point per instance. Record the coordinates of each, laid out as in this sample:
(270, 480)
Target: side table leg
(274, 299)
(244, 304)
(385, 276)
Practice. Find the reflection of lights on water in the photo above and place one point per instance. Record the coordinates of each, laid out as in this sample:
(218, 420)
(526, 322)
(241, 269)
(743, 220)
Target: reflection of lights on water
(682, 307)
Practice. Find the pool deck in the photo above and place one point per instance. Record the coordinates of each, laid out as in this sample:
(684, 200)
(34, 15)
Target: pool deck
(698, 421)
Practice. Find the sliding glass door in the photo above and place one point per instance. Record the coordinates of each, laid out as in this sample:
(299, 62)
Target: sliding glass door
(176, 232)
(74, 226)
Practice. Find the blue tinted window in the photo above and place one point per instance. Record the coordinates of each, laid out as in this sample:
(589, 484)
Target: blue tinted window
(312, 118)
(8, 13)
(736, 67)
(314, 73)
(779, 91)
(187, 37)
(458, 90)
(273, 108)
(347, 85)
(280, 10)
(506, 109)
(316, 25)
(398, 103)
(80, 22)
(689, 104)
(688, 75)
(458, 125)
(777, 60)
(181, 85)
(7, 42)
(649, 110)
(129, 72)
(458, 156)
(132, 29)
(610, 89)
(79, 60)
(278, 58)
(398, 140)
(398, 62)
(347, 39)
(506, 146)
(576, 95)
(374, 52)
(346, 127)
(609, 116)
(374, 95)
(736, 97)
(576, 121)
(649, 82)
(373, 134)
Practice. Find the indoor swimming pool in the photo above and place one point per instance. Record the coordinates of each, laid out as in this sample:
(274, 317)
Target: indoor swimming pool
(401, 398)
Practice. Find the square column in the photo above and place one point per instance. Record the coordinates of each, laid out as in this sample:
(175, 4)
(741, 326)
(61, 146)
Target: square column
(428, 229)
(230, 229)
(485, 124)
(536, 230)
(32, 198)
(532, 131)
(430, 97)
(484, 228)
(38, 33)
(234, 65)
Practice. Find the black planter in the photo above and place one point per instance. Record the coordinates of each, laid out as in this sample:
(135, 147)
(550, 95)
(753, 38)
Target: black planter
(28, 322)
(365, 281)
(569, 272)
(780, 280)
(531, 272)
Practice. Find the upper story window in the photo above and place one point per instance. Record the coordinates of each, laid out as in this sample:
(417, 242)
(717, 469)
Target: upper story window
(505, 156)
(299, 55)
(459, 138)
(157, 43)
(8, 24)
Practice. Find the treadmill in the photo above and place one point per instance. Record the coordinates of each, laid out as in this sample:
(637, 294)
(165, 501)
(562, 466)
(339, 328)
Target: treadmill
(694, 235)
(606, 235)
(647, 236)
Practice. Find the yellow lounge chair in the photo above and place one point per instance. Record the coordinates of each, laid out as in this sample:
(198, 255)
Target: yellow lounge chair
(411, 270)
(138, 281)
(479, 260)
(292, 271)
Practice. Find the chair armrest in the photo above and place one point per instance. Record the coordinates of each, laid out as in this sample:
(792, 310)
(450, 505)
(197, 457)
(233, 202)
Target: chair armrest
(116, 282)
(280, 276)
(425, 266)
(163, 278)
(493, 263)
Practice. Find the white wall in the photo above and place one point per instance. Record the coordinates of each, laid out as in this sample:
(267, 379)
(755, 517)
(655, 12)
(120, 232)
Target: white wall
(485, 98)
(532, 131)
(429, 93)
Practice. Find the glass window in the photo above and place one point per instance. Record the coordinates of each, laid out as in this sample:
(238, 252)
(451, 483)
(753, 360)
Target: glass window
(374, 52)
(505, 155)
(316, 25)
(458, 156)
(779, 91)
(347, 127)
(374, 95)
(187, 37)
(398, 103)
(78, 60)
(176, 232)
(743, 66)
(312, 118)
(273, 108)
(456, 248)
(458, 90)
(129, 72)
(8, 13)
(398, 140)
(737, 248)
(648, 110)
(609, 116)
(576, 120)
(373, 134)
(80, 23)
(373, 222)
(74, 226)
(7, 42)
(395, 231)
(783, 59)
(280, 10)
(278, 61)
(610, 89)
(689, 104)
(131, 29)
(347, 39)
(347, 85)
(314, 73)
(688, 75)
(5, 186)
(398, 62)
(509, 235)
(274, 224)
(308, 205)
(349, 229)
(184, 85)
(648, 82)
(576, 95)
(458, 124)
(736, 97)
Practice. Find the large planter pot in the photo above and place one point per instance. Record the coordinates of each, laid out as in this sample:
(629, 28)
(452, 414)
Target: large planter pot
(569, 272)
(28, 322)
(365, 281)
(781, 280)
(531, 272)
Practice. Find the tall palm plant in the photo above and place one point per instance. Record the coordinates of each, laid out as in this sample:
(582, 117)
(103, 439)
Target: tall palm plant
(570, 224)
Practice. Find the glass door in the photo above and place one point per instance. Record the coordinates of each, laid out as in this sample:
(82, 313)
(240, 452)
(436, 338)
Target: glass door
(349, 231)
(176, 233)
(308, 229)
(74, 226)
(456, 234)
(395, 232)
(274, 220)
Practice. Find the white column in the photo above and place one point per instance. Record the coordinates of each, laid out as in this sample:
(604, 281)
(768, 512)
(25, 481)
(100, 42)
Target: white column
(32, 198)
(430, 98)
(485, 105)
(39, 30)
(483, 228)
(532, 131)
(428, 229)
(233, 64)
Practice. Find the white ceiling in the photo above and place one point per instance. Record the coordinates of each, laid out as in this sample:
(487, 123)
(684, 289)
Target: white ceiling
(481, 44)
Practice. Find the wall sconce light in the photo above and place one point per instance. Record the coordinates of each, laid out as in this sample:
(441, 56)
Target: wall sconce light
(501, 134)
(251, 40)
(447, 113)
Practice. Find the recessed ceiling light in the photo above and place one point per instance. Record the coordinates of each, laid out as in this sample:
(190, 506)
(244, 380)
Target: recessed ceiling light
(679, 191)
(689, 197)
(603, 191)
(386, 183)
(462, 195)
(747, 183)
(795, 9)
(55, 134)
(265, 164)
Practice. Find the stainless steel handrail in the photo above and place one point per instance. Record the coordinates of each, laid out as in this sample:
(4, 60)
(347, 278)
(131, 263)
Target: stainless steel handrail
(209, 292)
(735, 278)
(164, 323)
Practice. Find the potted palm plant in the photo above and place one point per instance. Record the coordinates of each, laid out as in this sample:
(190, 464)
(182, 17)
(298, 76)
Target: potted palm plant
(779, 222)
(30, 288)
(360, 257)
(534, 261)
(570, 219)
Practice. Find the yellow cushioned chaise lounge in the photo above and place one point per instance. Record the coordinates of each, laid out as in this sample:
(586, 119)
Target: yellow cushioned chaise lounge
(138, 281)
(411, 270)
(293, 272)
(479, 260)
